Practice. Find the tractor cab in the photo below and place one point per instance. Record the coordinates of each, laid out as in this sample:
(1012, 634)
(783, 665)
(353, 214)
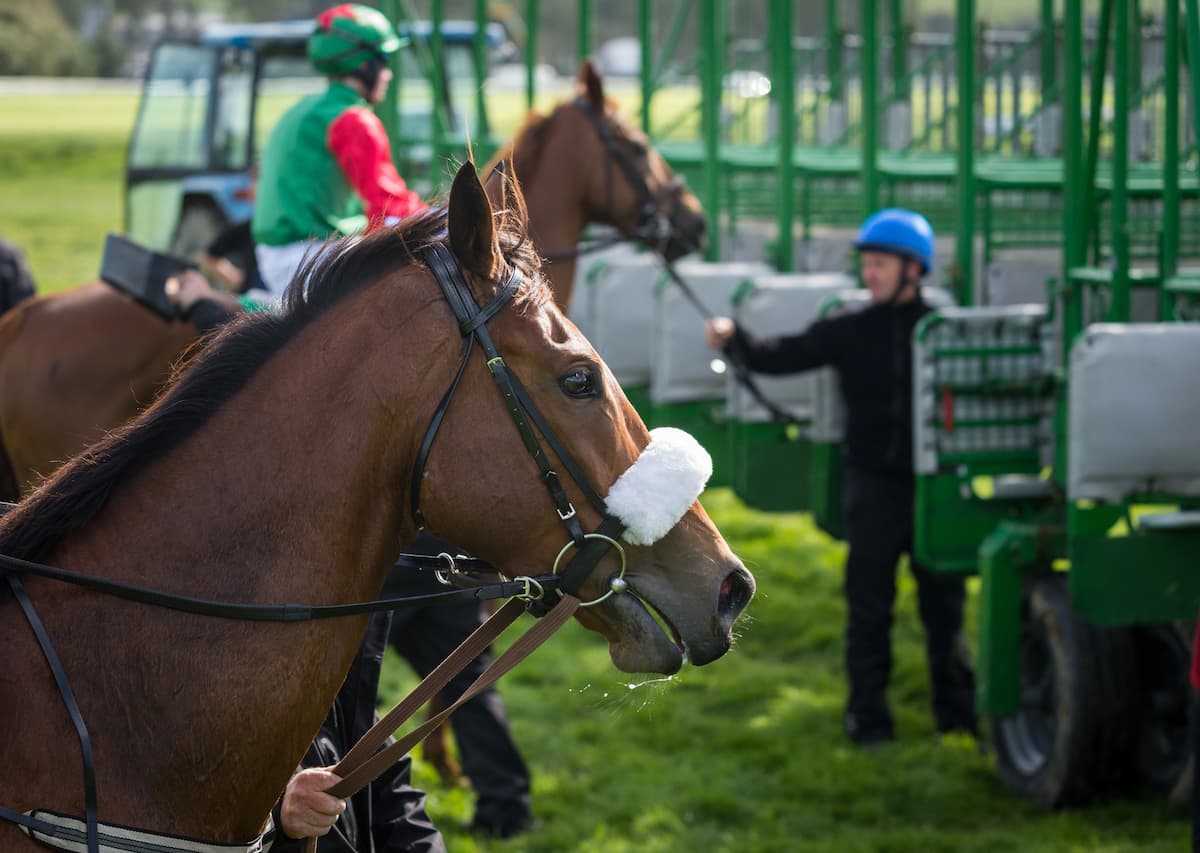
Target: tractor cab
(208, 106)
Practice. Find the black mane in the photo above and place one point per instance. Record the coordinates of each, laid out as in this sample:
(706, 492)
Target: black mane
(80, 489)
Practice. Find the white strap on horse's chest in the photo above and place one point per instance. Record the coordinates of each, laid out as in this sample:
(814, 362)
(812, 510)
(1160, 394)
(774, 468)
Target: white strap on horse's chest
(70, 833)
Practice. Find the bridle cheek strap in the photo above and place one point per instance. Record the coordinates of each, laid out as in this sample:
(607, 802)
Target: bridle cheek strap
(643, 505)
(654, 226)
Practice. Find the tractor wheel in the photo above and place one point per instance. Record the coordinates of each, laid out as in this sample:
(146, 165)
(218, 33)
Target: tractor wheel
(1162, 708)
(1063, 743)
(199, 224)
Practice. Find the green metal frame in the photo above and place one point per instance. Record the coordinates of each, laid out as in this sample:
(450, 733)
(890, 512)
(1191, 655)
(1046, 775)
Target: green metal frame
(770, 465)
(1119, 574)
(1137, 577)
(827, 488)
(965, 244)
(998, 390)
(1009, 554)
(1098, 188)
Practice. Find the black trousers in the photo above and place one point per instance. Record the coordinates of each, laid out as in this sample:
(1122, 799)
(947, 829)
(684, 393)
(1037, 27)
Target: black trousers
(879, 523)
(425, 636)
(1196, 775)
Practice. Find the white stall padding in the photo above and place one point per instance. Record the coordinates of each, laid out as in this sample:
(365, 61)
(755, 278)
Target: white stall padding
(681, 362)
(587, 267)
(1019, 282)
(1134, 416)
(622, 314)
(781, 304)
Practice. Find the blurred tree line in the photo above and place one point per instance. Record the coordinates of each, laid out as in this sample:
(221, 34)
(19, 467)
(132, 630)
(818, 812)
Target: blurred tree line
(97, 37)
(106, 37)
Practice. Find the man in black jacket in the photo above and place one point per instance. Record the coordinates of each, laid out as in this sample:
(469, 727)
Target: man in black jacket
(872, 353)
(388, 816)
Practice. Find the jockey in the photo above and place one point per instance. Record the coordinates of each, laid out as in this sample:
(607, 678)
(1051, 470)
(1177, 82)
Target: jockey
(328, 159)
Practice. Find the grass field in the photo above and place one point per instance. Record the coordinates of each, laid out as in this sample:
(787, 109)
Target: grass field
(61, 166)
(744, 755)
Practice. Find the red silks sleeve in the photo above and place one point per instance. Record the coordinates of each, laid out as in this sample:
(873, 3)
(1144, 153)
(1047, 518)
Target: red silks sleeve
(360, 146)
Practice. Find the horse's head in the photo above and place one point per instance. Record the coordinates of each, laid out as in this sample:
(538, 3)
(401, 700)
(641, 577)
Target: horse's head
(483, 490)
(583, 162)
(630, 184)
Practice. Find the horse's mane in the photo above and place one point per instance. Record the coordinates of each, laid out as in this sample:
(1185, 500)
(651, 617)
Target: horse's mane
(82, 487)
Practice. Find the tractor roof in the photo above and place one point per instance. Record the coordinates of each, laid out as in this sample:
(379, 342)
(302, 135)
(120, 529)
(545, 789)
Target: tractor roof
(296, 33)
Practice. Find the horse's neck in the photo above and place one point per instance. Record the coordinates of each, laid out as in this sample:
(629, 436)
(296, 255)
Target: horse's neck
(90, 358)
(291, 492)
(557, 205)
(275, 474)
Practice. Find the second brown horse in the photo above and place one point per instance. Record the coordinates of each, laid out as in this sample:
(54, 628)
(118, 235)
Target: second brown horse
(75, 365)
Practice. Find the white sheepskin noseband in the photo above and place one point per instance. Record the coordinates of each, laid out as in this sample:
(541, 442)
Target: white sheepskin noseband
(660, 485)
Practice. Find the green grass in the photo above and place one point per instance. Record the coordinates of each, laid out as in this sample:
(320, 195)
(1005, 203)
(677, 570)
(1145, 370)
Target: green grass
(61, 172)
(746, 754)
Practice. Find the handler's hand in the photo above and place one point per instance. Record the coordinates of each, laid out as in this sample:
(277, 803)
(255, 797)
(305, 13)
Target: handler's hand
(307, 811)
(718, 331)
(188, 288)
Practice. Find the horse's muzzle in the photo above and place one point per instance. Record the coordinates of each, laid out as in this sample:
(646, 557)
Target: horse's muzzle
(736, 591)
(687, 235)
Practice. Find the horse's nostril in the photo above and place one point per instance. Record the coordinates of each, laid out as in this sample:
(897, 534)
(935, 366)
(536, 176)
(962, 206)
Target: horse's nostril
(736, 591)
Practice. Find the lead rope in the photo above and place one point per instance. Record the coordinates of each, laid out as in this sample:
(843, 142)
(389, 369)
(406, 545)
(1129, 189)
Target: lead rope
(362, 764)
(360, 767)
(740, 372)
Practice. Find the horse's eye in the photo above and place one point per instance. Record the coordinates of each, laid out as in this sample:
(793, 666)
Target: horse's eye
(579, 383)
(640, 149)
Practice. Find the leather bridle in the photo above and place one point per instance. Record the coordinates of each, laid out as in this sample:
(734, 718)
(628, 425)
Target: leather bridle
(472, 324)
(656, 224)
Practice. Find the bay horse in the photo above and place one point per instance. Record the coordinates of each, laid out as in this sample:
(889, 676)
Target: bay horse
(584, 163)
(277, 467)
(77, 364)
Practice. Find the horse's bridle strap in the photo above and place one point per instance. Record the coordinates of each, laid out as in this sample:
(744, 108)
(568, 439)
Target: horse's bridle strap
(472, 322)
(362, 764)
(651, 203)
(68, 697)
(9, 566)
(561, 452)
(631, 174)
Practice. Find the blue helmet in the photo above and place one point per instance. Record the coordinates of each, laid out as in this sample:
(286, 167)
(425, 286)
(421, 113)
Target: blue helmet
(898, 232)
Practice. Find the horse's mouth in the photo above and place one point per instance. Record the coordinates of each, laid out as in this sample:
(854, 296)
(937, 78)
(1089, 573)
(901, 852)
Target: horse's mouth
(661, 619)
(642, 638)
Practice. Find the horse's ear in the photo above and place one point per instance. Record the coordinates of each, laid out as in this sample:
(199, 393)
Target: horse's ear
(472, 232)
(593, 87)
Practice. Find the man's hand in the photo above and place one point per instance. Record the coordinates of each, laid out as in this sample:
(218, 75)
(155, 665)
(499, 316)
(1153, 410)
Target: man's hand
(187, 288)
(718, 331)
(307, 811)
(224, 271)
